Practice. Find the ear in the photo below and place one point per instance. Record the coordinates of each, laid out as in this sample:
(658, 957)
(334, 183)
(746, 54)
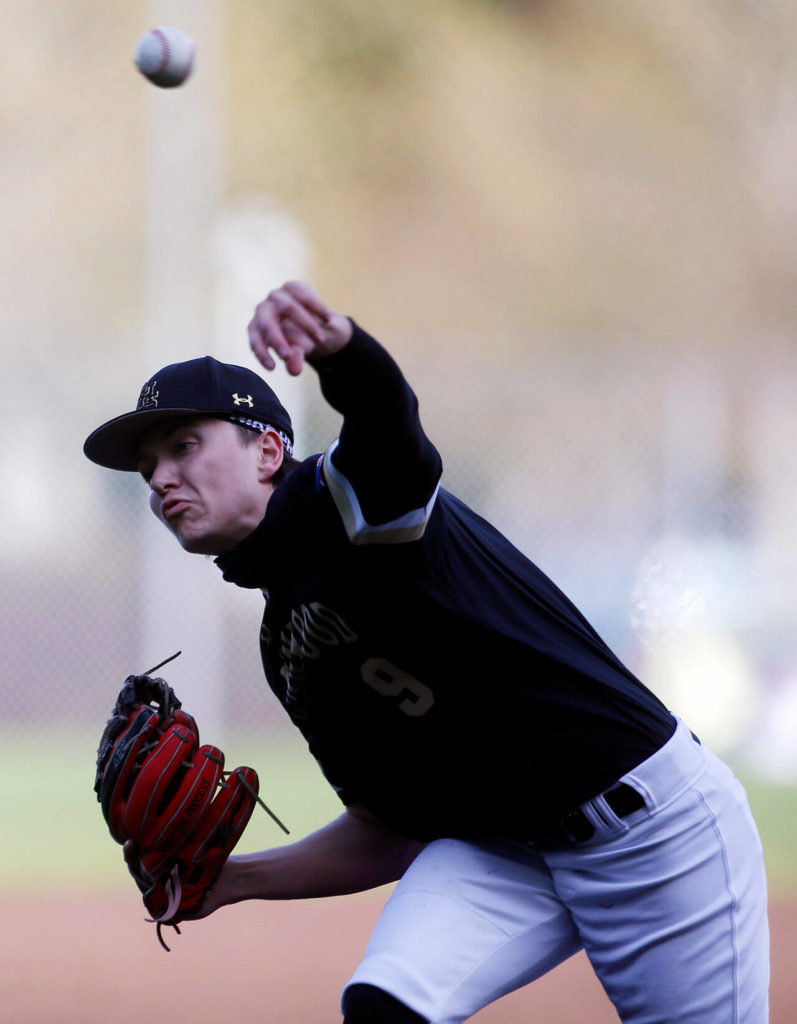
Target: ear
(269, 455)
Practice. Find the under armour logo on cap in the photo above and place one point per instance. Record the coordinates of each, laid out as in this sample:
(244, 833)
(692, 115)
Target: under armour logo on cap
(246, 400)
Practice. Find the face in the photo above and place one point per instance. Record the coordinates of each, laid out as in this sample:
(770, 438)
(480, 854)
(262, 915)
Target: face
(206, 485)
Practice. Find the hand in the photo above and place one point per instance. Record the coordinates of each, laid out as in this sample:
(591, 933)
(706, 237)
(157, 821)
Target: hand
(143, 879)
(219, 895)
(294, 323)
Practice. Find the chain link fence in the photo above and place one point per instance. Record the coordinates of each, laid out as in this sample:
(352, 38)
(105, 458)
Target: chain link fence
(658, 494)
(573, 227)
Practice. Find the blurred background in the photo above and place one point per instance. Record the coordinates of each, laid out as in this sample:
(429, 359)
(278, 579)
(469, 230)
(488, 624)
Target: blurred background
(575, 226)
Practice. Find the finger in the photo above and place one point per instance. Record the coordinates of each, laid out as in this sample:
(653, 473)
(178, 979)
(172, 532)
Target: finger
(294, 364)
(297, 336)
(259, 347)
(142, 878)
(289, 318)
(309, 298)
(133, 861)
(271, 316)
(289, 309)
(302, 345)
(265, 332)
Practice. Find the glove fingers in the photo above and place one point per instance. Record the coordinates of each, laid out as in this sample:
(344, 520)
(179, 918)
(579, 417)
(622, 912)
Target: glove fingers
(202, 858)
(225, 820)
(180, 717)
(118, 775)
(184, 806)
(114, 728)
(161, 774)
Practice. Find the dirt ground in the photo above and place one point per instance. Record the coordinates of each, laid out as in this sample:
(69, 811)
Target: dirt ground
(67, 960)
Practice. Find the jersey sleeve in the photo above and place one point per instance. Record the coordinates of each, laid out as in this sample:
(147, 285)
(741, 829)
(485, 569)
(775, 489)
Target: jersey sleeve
(382, 471)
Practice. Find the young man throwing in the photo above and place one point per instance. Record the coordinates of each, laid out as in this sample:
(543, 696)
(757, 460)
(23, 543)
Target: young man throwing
(529, 794)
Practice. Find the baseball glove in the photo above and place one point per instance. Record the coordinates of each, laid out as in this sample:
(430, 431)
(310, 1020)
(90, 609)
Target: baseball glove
(168, 799)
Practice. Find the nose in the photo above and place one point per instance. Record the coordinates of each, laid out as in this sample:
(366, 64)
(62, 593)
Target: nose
(163, 477)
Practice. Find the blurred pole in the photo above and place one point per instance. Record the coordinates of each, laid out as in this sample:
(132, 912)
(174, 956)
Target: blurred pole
(259, 246)
(180, 595)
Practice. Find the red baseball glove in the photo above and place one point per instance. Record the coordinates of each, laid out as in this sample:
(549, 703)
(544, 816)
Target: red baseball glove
(170, 798)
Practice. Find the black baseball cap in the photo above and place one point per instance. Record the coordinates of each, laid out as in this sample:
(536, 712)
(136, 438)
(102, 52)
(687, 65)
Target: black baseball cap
(198, 387)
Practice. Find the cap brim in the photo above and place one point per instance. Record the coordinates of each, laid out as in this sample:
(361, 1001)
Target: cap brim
(115, 444)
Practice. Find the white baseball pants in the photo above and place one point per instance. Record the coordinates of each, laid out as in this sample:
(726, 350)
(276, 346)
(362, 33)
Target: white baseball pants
(669, 904)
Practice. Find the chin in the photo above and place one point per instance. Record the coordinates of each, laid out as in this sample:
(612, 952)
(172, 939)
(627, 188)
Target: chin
(199, 545)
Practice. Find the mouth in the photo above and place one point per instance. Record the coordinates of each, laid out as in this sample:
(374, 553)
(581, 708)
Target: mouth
(173, 508)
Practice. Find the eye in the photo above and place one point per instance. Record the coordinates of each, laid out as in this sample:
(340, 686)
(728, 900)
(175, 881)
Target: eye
(184, 446)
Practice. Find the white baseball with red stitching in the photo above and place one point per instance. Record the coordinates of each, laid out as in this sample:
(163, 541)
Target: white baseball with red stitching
(166, 56)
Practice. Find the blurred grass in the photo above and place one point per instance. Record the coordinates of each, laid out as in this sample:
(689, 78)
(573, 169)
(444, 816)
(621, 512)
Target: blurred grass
(775, 810)
(54, 835)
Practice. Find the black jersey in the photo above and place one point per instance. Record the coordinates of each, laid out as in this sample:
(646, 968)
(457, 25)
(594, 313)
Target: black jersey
(438, 676)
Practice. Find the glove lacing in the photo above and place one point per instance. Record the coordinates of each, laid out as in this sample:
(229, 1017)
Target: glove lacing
(174, 890)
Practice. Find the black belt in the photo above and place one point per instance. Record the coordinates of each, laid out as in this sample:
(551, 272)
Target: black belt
(575, 826)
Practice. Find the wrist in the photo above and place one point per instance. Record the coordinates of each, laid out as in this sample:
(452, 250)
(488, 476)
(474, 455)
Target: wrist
(233, 881)
(250, 876)
(338, 332)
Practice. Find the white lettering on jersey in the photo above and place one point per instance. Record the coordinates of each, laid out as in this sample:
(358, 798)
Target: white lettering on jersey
(311, 627)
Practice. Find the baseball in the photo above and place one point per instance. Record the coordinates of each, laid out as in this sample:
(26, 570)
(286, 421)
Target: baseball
(166, 56)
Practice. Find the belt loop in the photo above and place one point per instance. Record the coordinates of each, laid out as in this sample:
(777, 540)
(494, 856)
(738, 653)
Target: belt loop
(575, 827)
